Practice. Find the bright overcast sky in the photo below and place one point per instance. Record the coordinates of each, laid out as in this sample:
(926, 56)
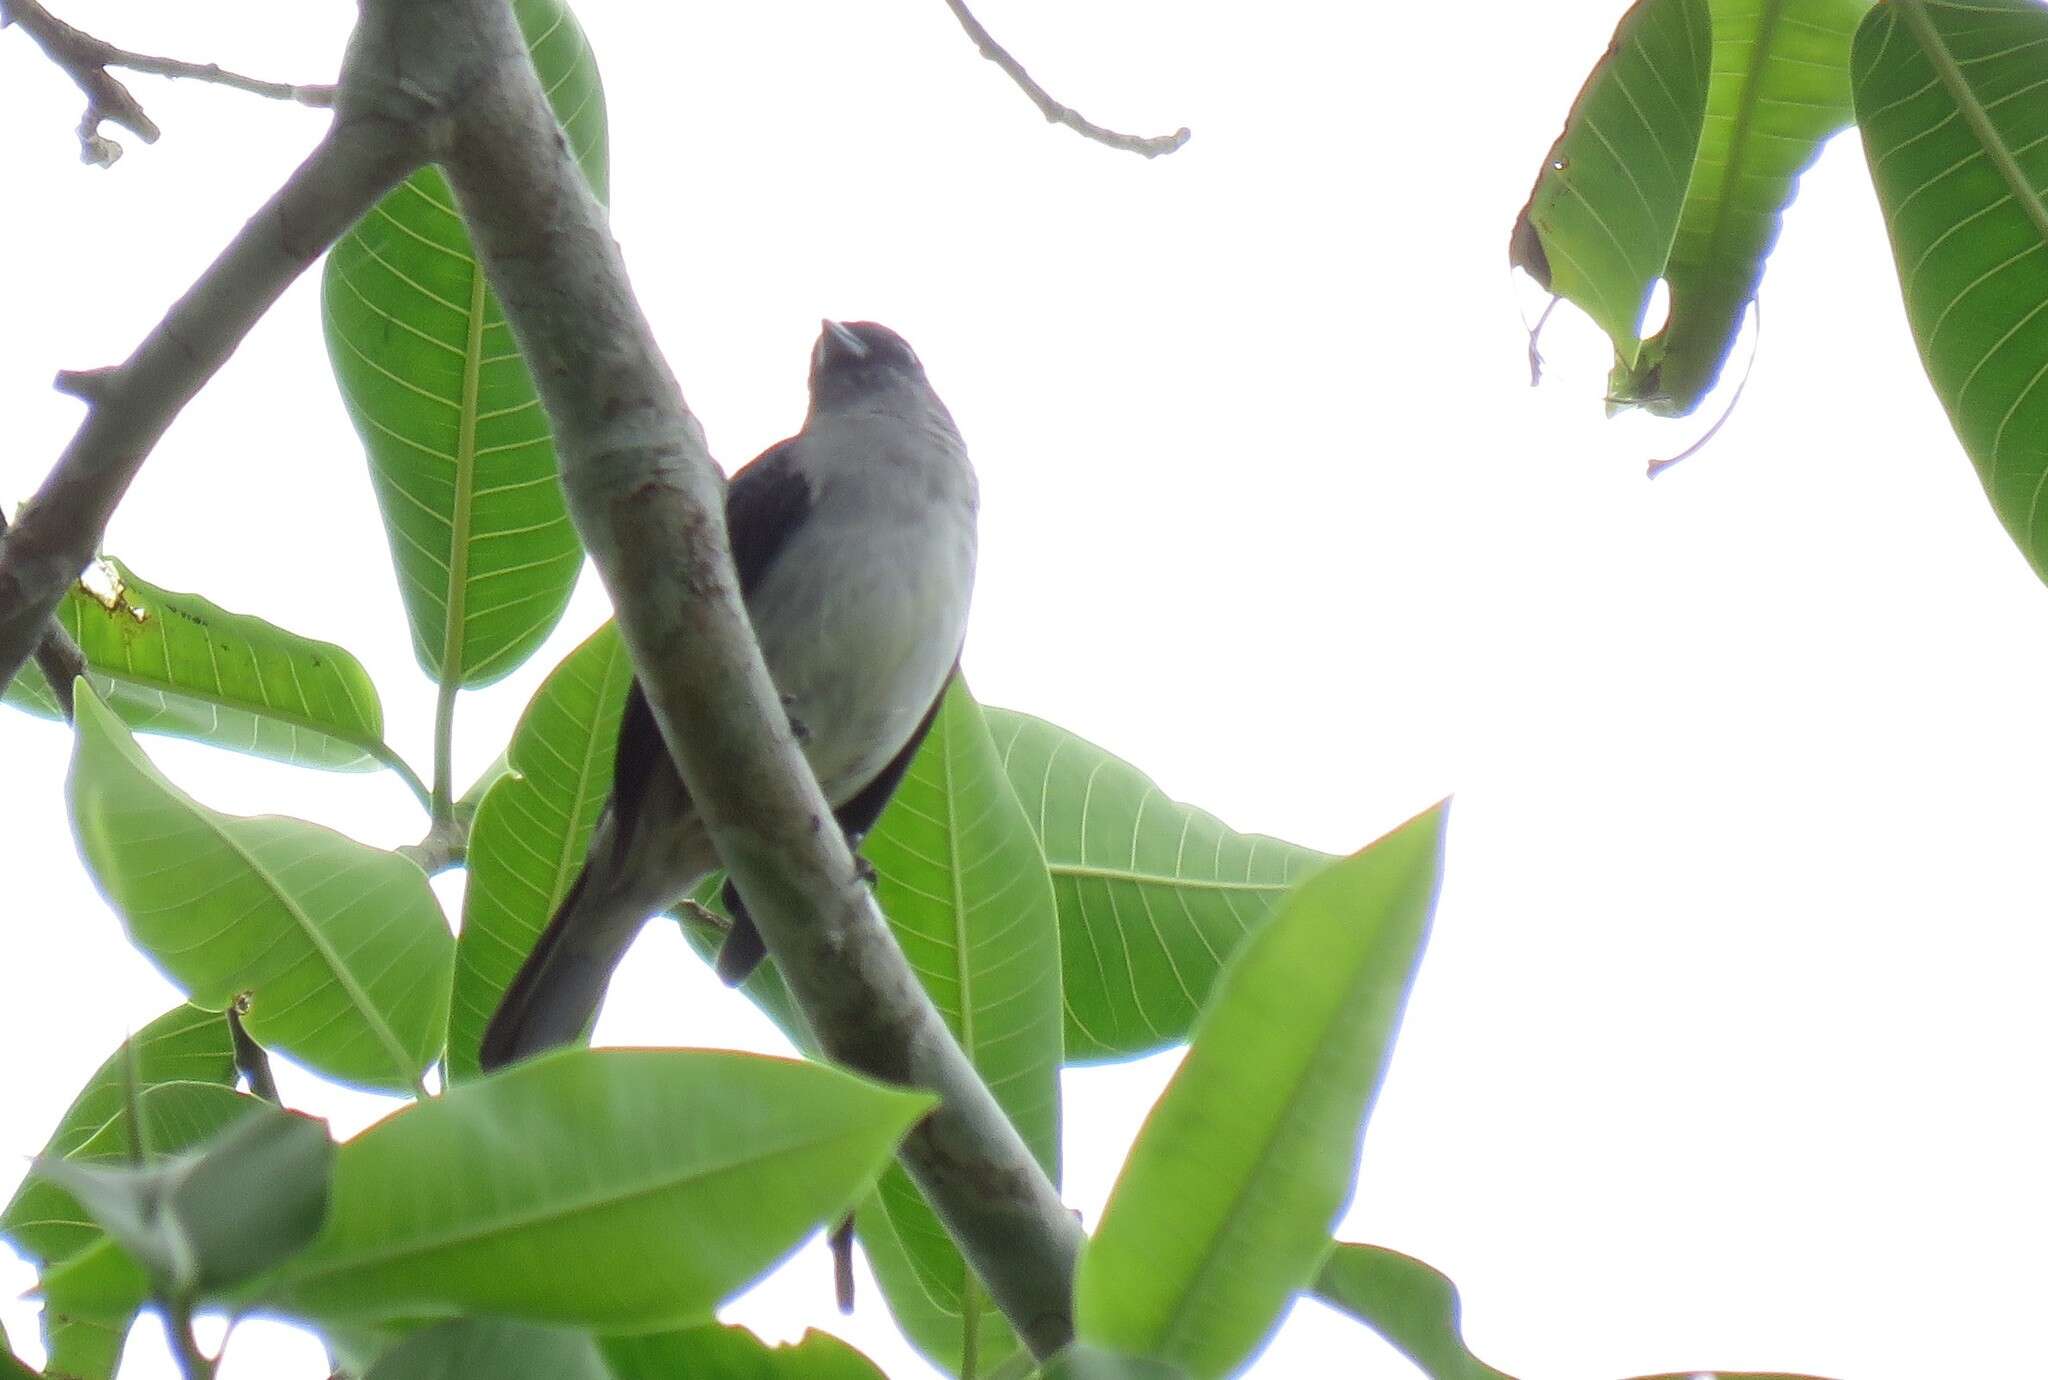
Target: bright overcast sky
(1727, 1048)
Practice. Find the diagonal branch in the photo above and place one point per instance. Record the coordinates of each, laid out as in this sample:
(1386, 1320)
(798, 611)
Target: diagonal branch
(85, 59)
(60, 659)
(363, 156)
(1054, 112)
(650, 506)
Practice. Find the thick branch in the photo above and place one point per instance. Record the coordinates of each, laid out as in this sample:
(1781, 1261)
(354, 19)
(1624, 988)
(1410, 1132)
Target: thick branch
(364, 155)
(1054, 112)
(85, 59)
(59, 658)
(650, 506)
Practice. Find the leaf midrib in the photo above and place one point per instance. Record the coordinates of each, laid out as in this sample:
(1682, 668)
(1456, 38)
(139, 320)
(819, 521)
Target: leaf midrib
(373, 747)
(218, 826)
(1950, 73)
(345, 979)
(1768, 15)
(1119, 874)
(541, 1216)
(1181, 1315)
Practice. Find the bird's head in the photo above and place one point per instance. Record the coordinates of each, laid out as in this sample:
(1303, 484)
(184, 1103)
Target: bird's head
(854, 361)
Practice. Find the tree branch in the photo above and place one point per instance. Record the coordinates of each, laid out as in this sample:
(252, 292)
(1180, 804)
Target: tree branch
(1054, 112)
(85, 59)
(650, 506)
(60, 659)
(364, 154)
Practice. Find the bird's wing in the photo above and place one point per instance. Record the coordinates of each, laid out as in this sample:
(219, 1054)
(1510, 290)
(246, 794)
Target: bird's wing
(765, 503)
(859, 814)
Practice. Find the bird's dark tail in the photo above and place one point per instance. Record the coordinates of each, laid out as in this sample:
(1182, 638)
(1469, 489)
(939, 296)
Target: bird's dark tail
(552, 1000)
(742, 950)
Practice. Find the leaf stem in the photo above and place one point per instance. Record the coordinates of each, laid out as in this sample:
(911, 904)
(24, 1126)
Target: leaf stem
(193, 1363)
(441, 805)
(384, 753)
(970, 1325)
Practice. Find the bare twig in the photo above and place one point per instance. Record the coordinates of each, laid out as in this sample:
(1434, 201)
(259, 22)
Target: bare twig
(1054, 112)
(650, 506)
(85, 59)
(58, 657)
(55, 536)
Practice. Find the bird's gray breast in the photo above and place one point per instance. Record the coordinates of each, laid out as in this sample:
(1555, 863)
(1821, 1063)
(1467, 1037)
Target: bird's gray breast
(862, 616)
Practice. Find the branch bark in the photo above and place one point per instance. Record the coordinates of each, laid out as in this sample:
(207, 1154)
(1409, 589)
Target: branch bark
(450, 80)
(650, 505)
(85, 59)
(1146, 146)
(365, 153)
(60, 659)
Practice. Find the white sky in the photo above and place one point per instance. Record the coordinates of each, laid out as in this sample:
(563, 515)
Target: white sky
(1727, 1049)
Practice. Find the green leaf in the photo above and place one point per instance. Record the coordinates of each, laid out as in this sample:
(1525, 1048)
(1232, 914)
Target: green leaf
(1154, 896)
(184, 1045)
(651, 1184)
(102, 1284)
(182, 665)
(1084, 1362)
(733, 1353)
(965, 888)
(1600, 221)
(341, 948)
(528, 841)
(48, 1225)
(1410, 1304)
(246, 1199)
(1223, 1210)
(1780, 89)
(78, 1349)
(473, 1348)
(459, 448)
(1955, 129)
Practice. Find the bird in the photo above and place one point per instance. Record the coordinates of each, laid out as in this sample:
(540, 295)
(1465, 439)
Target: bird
(855, 545)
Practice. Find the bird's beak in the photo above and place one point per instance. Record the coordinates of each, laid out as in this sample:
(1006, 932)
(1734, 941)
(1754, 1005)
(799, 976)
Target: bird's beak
(840, 341)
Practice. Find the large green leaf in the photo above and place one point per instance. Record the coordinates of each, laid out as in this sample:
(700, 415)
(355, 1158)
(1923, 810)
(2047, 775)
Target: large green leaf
(1410, 1304)
(459, 448)
(476, 1348)
(46, 1223)
(616, 1189)
(1955, 127)
(181, 664)
(527, 843)
(1599, 223)
(1154, 896)
(733, 1353)
(1780, 88)
(1223, 1210)
(340, 948)
(965, 889)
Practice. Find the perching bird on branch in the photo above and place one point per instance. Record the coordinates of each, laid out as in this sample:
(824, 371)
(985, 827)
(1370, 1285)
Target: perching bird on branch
(855, 543)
